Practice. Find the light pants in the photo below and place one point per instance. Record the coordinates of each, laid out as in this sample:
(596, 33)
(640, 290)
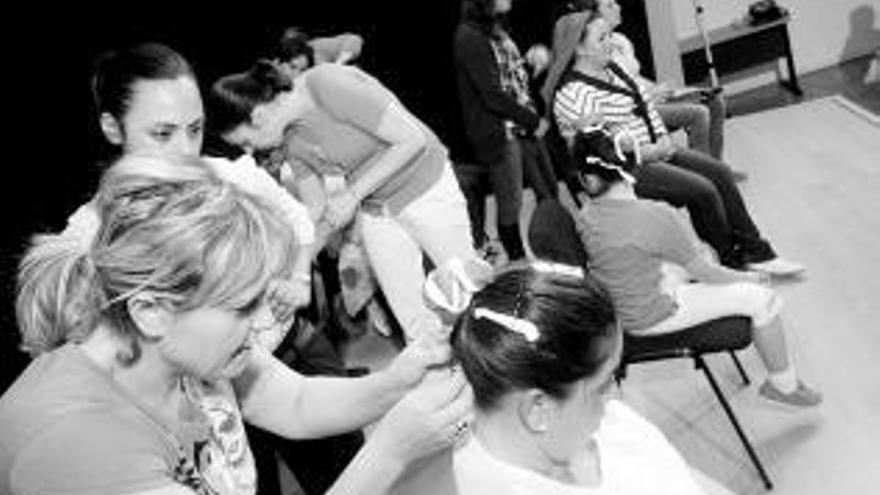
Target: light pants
(436, 222)
(699, 303)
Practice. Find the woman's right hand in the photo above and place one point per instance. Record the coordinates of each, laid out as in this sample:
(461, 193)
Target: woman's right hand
(430, 418)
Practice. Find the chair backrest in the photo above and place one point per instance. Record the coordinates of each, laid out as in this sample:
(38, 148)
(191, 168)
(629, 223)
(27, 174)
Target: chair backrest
(553, 235)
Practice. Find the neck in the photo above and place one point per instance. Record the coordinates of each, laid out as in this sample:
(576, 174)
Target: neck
(621, 190)
(590, 67)
(150, 378)
(503, 435)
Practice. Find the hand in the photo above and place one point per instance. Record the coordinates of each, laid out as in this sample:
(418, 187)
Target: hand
(340, 209)
(543, 126)
(286, 296)
(431, 417)
(660, 92)
(761, 278)
(538, 57)
(589, 121)
(423, 353)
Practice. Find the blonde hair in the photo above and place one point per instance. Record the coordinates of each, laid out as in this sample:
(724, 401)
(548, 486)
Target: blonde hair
(167, 226)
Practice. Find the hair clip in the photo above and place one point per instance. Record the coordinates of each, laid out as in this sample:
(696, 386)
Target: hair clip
(523, 327)
(557, 268)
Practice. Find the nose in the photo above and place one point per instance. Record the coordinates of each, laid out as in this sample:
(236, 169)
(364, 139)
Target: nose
(184, 145)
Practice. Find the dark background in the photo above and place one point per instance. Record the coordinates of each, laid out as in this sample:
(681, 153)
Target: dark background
(51, 138)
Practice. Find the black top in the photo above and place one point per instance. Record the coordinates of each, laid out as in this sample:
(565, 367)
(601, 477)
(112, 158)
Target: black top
(485, 105)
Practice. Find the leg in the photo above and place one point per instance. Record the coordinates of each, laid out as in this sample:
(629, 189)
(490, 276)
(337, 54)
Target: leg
(506, 178)
(694, 118)
(561, 161)
(538, 168)
(745, 233)
(679, 187)
(396, 259)
(717, 115)
(471, 179)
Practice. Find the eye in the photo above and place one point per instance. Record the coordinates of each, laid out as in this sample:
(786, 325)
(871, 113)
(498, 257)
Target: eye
(195, 130)
(250, 307)
(162, 135)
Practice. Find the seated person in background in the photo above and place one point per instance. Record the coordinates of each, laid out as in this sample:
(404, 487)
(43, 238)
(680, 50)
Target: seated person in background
(539, 345)
(170, 296)
(628, 238)
(591, 84)
(703, 120)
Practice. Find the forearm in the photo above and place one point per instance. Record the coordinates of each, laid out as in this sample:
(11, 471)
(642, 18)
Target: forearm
(371, 472)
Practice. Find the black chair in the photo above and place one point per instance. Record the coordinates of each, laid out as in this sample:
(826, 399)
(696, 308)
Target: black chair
(553, 236)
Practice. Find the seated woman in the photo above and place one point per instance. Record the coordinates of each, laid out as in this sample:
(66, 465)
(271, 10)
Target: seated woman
(627, 239)
(592, 84)
(169, 297)
(336, 121)
(539, 345)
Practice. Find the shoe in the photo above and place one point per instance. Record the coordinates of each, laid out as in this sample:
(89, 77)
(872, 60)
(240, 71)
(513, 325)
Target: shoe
(802, 396)
(739, 175)
(778, 267)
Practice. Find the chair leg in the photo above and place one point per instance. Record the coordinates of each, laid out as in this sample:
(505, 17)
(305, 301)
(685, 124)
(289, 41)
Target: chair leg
(701, 363)
(739, 367)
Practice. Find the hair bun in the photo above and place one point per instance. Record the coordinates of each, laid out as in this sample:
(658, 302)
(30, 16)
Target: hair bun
(267, 74)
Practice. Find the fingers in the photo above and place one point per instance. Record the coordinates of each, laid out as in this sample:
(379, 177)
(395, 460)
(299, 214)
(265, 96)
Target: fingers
(443, 387)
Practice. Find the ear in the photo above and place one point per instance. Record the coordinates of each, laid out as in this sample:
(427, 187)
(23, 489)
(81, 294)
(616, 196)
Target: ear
(152, 315)
(536, 411)
(111, 128)
(591, 183)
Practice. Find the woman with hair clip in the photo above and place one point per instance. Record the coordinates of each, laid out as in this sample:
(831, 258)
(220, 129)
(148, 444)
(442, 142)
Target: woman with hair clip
(148, 101)
(584, 81)
(170, 296)
(539, 345)
(338, 121)
(501, 120)
(627, 239)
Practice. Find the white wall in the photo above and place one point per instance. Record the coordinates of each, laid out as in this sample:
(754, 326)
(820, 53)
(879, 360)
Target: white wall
(823, 32)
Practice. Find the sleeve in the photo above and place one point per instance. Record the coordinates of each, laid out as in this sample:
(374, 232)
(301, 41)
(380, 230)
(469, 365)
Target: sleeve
(328, 49)
(98, 454)
(473, 55)
(245, 174)
(349, 95)
(667, 236)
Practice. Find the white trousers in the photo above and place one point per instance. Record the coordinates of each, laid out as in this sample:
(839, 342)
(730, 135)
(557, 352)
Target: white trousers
(699, 303)
(436, 222)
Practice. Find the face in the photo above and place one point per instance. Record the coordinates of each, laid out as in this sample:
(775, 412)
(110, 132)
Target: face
(294, 67)
(596, 45)
(610, 11)
(213, 343)
(577, 417)
(265, 129)
(503, 6)
(165, 116)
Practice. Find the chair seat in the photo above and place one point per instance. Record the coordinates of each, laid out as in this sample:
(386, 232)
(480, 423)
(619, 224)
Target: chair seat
(730, 333)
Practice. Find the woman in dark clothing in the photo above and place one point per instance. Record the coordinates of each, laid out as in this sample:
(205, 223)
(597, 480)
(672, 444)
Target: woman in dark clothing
(500, 118)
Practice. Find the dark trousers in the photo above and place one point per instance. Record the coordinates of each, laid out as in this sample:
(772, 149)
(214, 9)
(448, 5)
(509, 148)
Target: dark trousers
(706, 188)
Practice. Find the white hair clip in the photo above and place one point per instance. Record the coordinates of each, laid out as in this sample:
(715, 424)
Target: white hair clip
(558, 268)
(523, 327)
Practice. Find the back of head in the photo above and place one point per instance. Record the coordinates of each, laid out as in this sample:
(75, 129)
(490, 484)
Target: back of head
(115, 73)
(165, 226)
(538, 326)
(293, 43)
(232, 98)
(568, 32)
(599, 160)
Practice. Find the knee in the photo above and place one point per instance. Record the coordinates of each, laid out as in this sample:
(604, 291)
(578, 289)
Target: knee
(761, 303)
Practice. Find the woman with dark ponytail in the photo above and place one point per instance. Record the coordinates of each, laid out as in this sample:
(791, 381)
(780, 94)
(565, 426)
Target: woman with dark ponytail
(338, 122)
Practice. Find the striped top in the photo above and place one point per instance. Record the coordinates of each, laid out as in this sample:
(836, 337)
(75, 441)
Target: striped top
(576, 99)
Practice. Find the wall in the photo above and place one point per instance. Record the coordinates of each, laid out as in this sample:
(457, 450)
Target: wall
(823, 32)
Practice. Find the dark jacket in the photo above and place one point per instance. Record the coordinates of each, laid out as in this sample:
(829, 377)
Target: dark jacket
(485, 106)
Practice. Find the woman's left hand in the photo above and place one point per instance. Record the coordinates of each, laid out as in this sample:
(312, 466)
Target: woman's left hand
(340, 208)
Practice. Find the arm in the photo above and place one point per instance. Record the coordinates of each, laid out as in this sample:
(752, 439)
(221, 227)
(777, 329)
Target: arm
(474, 56)
(274, 397)
(339, 49)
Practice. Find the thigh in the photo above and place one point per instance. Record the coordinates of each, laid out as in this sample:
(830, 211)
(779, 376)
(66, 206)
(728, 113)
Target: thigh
(678, 115)
(702, 164)
(674, 185)
(698, 303)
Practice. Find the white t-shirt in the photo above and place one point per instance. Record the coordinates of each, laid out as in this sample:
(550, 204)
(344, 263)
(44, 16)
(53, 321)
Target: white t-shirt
(635, 459)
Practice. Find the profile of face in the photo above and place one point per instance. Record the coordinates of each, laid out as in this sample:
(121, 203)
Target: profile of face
(595, 45)
(294, 67)
(164, 116)
(503, 6)
(610, 11)
(569, 423)
(266, 127)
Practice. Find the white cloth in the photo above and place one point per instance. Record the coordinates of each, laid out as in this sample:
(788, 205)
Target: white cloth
(635, 459)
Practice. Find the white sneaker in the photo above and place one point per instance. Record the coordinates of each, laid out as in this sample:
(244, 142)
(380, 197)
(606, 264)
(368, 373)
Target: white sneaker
(778, 267)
